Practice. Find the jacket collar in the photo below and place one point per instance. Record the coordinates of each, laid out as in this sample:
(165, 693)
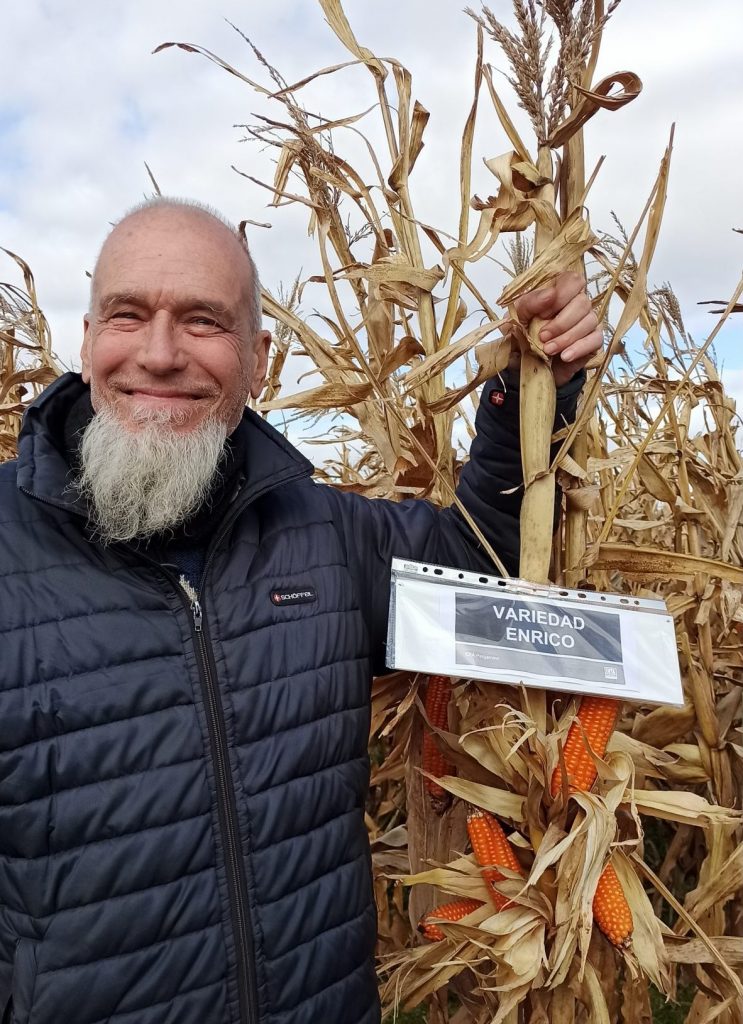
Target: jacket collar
(43, 471)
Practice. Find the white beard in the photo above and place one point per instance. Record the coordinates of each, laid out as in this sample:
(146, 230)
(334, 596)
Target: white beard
(141, 482)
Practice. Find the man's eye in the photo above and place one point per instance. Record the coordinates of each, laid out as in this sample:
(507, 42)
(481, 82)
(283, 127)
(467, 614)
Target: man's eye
(125, 314)
(204, 321)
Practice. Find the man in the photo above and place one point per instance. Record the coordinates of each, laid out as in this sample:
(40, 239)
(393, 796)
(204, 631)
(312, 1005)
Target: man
(188, 629)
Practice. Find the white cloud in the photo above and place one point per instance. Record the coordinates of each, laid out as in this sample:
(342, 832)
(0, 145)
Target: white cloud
(85, 104)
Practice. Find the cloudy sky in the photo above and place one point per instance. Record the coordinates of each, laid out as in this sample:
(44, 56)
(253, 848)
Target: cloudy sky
(84, 103)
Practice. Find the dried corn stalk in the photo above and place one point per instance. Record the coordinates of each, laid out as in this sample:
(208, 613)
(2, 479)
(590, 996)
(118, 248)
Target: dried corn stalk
(26, 361)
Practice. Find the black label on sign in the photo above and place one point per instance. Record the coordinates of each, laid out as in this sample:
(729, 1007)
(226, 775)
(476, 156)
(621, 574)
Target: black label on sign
(539, 638)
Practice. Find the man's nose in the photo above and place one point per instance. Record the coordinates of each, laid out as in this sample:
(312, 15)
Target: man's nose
(160, 350)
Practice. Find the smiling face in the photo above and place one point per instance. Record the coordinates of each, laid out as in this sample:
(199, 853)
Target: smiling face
(169, 336)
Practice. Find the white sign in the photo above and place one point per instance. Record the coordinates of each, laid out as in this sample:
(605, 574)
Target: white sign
(461, 624)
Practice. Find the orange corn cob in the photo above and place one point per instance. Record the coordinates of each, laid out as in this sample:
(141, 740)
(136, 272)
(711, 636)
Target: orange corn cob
(611, 911)
(438, 695)
(450, 912)
(597, 716)
(492, 850)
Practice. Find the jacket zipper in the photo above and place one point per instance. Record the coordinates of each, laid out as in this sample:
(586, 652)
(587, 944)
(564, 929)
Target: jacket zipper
(247, 985)
(227, 812)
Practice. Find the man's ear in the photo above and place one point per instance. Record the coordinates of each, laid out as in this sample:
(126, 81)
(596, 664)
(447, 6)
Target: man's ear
(258, 377)
(85, 355)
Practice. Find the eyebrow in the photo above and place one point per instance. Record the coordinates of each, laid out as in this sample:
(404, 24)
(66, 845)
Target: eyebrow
(187, 305)
(115, 298)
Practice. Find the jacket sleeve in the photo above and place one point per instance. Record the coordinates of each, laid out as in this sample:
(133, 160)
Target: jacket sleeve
(490, 488)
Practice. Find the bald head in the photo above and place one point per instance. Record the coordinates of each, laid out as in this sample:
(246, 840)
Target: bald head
(172, 212)
(174, 322)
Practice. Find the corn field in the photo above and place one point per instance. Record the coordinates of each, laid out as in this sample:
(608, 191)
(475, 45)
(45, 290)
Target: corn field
(651, 479)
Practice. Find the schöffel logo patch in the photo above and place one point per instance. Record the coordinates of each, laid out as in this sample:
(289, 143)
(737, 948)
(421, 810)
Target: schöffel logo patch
(295, 595)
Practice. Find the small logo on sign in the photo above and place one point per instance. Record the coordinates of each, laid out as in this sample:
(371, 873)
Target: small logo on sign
(610, 673)
(299, 595)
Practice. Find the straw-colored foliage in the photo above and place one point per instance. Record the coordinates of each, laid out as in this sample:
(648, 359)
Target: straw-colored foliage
(653, 493)
(26, 361)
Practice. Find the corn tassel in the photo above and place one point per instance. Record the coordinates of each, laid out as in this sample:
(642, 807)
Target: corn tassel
(595, 723)
(449, 912)
(438, 695)
(492, 851)
(611, 911)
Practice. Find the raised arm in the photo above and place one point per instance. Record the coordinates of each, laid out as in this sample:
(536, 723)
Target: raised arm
(375, 531)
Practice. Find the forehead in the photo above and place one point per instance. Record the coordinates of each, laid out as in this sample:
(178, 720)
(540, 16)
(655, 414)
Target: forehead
(176, 252)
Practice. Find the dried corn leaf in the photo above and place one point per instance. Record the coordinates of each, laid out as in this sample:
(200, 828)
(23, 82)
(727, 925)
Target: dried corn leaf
(647, 935)
(497, 801)
(653, 563)
(721, 888)
(682, 807)
(694, 951)
(574, 239)
(603, 95)
(439, 361)
(326, 396)
(339, 23)
(395, 270)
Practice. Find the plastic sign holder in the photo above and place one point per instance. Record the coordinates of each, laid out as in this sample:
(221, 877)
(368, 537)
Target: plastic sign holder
(463, 624)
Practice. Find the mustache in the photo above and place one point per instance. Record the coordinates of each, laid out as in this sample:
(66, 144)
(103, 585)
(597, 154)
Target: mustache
(196, 390)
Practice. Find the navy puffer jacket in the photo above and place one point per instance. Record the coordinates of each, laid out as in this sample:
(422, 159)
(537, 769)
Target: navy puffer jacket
(182, 781)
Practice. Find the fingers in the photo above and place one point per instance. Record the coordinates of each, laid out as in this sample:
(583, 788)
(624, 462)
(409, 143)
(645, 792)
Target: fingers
(577, 310)
(574, 333)
(560, 342)
(533, 304)
(571, 334)
(568, 285)
(548, 302)
(565, 371)
(582, 349)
